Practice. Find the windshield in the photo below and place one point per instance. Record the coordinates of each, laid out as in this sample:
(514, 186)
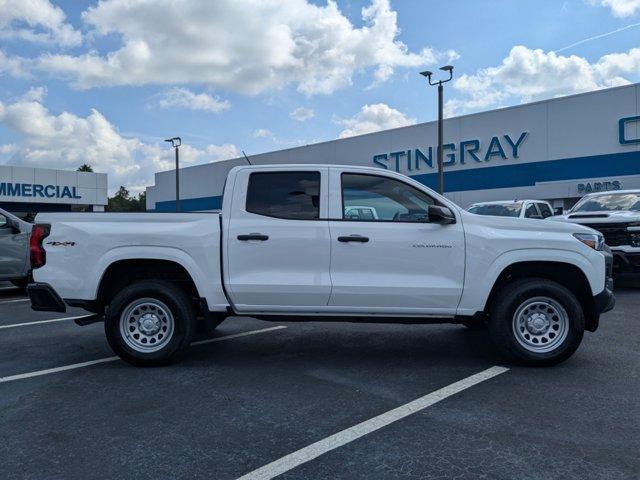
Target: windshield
(609, 203)
(498, 209)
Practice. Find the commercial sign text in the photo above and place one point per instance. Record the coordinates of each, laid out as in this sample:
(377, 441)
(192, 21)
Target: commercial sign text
(8, 189)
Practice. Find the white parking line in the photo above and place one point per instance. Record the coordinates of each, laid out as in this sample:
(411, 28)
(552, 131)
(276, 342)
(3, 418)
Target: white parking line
(339, 439)
(39, 373)
(52, 320)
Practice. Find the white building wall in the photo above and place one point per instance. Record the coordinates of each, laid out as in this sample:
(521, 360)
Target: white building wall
(91, 188)
(570, 131)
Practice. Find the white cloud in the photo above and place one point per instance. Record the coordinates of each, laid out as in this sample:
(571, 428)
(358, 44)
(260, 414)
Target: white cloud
(242, 45)
(372, 118)
(14, 66)
(621, 8)
(261, 133)
(8, 148)
(67, 141)
(185, 98)
(35, 94)
(36, 21)
(528, 75)
(214, 153)
(302, 114)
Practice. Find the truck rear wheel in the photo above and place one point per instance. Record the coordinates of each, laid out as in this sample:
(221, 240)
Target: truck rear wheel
(536, 322)
(150, 323)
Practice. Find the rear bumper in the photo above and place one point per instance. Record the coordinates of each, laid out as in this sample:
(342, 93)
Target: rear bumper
(44, 298)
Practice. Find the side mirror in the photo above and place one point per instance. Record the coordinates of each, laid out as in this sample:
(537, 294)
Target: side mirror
(441, 215)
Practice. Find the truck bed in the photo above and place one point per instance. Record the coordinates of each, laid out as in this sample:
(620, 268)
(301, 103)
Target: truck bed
(81, 246)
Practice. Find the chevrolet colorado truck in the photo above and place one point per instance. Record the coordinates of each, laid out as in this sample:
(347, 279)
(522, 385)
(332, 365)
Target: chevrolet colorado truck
(289, 244)
(616, 215)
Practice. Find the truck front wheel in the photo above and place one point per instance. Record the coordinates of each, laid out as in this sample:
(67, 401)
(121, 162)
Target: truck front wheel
(149, 323)
(536, 322)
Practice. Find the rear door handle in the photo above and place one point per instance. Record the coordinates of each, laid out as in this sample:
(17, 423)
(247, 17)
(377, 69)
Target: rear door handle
(253, 236)
(353, 238)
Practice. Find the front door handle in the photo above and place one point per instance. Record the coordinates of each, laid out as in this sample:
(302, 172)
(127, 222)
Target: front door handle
(253, 236)
(353, 238)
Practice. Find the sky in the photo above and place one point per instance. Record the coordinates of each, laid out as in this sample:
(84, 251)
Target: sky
(104, 82)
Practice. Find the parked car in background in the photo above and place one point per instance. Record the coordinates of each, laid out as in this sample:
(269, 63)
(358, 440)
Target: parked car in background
(285, 248)
(617, 216)
(514, 208)
(358, 212)
(14, 249)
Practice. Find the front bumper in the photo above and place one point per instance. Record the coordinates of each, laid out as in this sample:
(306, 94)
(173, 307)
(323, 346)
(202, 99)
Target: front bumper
(605, 300)
(626, 263)
(44, 298)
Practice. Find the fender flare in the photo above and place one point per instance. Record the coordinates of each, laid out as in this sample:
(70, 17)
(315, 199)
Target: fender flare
(142, 252)
(477, 301)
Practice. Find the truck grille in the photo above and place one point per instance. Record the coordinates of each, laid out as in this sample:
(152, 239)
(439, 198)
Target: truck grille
(616, 234)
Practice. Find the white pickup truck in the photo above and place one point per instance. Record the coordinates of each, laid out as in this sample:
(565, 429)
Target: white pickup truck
(282, 248)
(616, 215)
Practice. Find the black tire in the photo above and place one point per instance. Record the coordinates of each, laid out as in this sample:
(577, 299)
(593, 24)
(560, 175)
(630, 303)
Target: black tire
(524, 292)
(175, 342)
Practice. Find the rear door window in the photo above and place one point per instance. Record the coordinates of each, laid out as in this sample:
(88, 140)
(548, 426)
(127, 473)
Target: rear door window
(288, 195)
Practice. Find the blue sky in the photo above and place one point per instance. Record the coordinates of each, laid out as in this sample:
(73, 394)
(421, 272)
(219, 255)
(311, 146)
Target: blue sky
(105, 83)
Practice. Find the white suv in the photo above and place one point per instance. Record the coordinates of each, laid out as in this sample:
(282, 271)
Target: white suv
(514, 208)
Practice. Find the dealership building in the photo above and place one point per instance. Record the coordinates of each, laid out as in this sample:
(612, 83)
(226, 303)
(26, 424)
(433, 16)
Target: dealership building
(27, 191)
(555, 150)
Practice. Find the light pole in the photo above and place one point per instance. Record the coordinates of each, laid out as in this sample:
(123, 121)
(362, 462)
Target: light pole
(427, 73)
(175, 143)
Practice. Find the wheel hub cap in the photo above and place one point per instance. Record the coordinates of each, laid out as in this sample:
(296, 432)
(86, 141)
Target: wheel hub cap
(146, 325)
(149, 324)
(540, 324)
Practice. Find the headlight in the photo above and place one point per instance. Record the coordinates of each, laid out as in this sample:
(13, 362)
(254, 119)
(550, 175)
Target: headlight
(593, 240)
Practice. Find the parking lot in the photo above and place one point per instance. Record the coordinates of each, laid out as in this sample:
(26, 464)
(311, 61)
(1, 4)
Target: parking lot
(256, 394)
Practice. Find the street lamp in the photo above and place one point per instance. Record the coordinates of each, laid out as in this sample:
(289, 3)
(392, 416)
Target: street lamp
(427, 73)
(175, 143)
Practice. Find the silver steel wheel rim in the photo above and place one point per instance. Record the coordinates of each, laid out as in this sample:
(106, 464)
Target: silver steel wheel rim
(540, 324)
(146, 325)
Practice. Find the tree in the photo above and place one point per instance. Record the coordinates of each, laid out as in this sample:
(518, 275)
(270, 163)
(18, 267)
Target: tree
(122, 201)
(85, 168)
(142, 201)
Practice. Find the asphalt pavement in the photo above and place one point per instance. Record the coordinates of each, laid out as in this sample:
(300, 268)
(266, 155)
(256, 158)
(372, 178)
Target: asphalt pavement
(242, 404)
